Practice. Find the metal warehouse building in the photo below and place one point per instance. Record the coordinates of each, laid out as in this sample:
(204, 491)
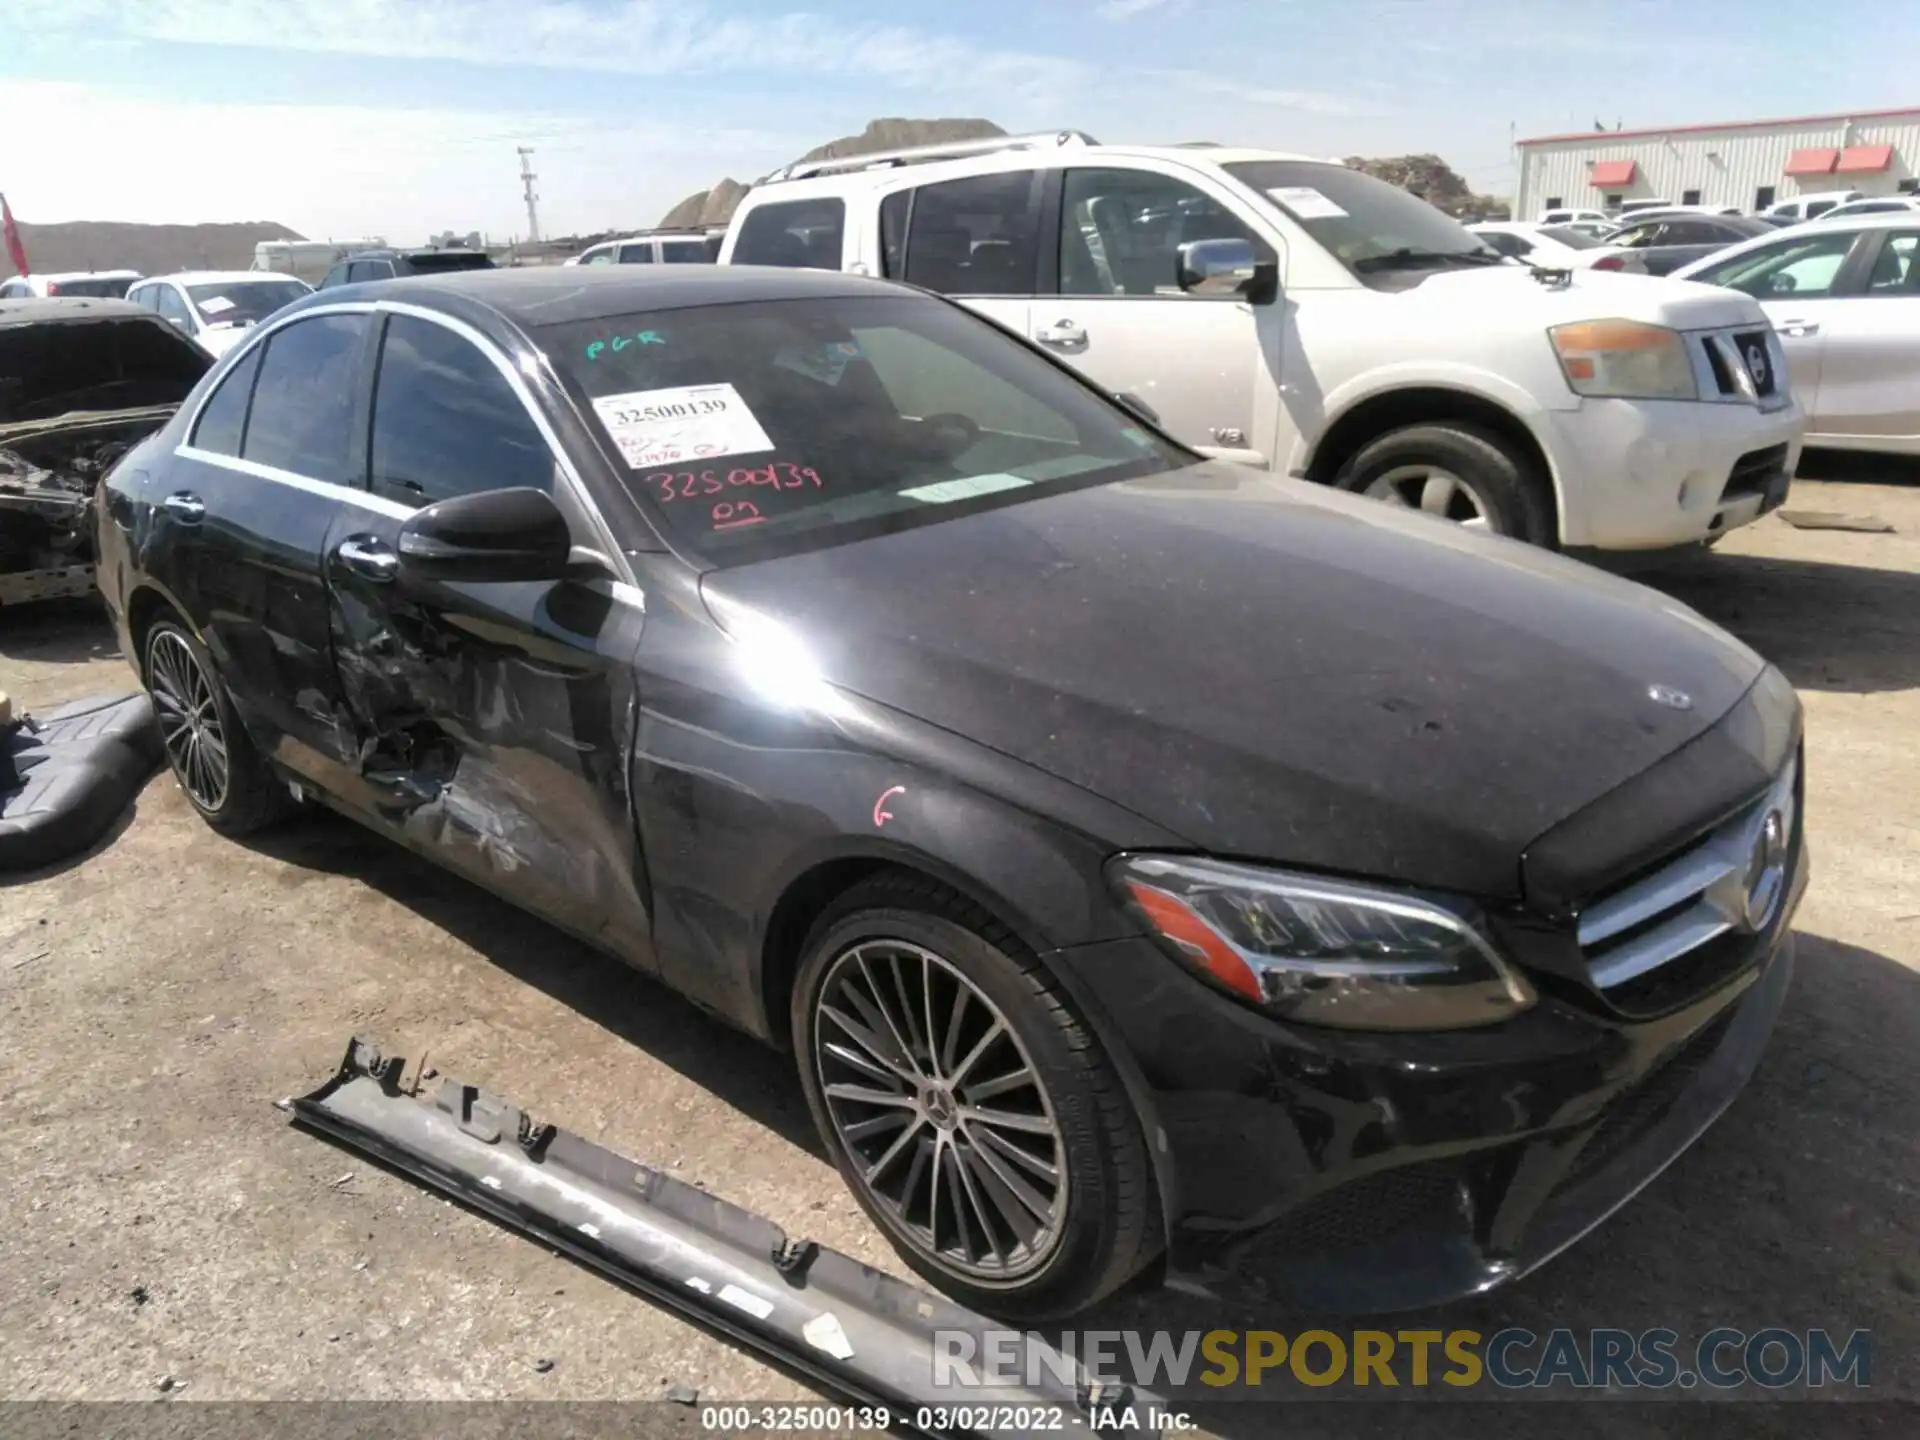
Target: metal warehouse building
(1749, 163)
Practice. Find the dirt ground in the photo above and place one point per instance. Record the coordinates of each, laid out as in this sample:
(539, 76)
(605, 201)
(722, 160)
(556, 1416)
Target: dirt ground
(157, 997)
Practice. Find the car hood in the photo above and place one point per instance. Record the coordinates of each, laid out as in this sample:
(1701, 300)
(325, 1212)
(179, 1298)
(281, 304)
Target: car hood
(1267, 669)
(1588, 295)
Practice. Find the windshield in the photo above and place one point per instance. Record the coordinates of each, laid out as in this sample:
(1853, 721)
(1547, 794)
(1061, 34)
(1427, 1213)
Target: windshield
(1373, 228)
(760, 429)
(243, 302)
(1568, 236)
(434, 261)
(102, 287)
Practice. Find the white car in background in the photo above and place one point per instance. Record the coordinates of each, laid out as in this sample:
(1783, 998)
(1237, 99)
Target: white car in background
(1575, 217)
(1303, 317)
(83, 284)
(1875, 205)
(658, 247)
(1559, 247)
(1844, 298)
(215, 308)
(1810, 207)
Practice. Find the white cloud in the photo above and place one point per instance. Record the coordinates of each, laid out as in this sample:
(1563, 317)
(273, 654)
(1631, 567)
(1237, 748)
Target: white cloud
(1127, 9)
(355, 170)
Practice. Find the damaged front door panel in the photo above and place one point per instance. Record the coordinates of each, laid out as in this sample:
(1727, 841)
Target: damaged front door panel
(854, 1330)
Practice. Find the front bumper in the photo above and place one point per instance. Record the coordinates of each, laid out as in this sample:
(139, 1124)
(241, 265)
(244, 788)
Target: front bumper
(1366, 1173)
(1652, 474)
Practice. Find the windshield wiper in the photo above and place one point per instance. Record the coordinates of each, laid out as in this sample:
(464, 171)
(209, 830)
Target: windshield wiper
(1408, 258)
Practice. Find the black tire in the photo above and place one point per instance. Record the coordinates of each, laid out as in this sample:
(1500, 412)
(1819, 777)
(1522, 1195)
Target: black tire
(251, 797)
(1504, 483)
(1109, 1226)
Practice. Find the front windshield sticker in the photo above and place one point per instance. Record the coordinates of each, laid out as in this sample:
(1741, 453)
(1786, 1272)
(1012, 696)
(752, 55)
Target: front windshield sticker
(218, 305)
(946, 491)
(825, 363)
(690, 422)
(621, 342)
(1306, 202)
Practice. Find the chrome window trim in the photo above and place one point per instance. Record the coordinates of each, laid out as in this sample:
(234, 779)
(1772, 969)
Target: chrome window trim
(607, 549)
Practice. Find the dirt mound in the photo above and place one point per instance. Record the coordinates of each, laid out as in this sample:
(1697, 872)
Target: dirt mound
(150, 249)
(716, 206)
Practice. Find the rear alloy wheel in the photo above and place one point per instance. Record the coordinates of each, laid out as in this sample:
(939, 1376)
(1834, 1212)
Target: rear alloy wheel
(209, 752)
(1456, 472)
(968, 1108)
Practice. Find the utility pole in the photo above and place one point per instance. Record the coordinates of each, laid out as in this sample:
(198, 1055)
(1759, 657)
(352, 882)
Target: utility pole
(527, 177)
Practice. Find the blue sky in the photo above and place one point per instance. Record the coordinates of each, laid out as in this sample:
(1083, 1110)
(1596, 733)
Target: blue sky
(398, 117)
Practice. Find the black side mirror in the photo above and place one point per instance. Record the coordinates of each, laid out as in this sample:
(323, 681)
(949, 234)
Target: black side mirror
(495, 535)
(1127, 400)
(1220, 268)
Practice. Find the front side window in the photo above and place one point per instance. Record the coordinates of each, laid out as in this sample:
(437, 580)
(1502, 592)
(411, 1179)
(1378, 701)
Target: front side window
(302, 415)
(446, 422)
(683, 252)
(172, 308)
(336, 276)
(1896, 270)
(600, 255)
(1506, 242)
(1568, 236)
(1121, 231)
(799, 234)
(764, 428)
(977, 236)
(223, 419)
(1803, 267)
(640, 252)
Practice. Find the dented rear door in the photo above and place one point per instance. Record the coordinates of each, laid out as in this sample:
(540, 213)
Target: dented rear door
(495, 719)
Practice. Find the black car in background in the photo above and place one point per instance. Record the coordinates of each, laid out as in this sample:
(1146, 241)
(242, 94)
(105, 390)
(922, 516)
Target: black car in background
(1663, 243)
(368, 265)
(1150, 862)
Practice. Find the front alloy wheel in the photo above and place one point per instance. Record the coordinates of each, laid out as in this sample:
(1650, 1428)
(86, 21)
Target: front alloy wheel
(941, 1110)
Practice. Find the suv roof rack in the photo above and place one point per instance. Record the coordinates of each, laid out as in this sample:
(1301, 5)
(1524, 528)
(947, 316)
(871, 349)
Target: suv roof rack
(920, 154)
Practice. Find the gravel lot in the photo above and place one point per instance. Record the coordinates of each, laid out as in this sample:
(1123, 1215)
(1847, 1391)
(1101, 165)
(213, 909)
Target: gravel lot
(157, 996)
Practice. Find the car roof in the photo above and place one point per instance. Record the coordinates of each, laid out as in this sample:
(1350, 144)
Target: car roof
(52, 309)
(217, 277)
(1884, 220)
(538, 295)
(995, 162)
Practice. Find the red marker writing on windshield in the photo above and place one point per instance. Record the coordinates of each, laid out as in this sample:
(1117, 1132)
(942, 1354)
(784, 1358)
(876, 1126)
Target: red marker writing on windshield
(880, 813)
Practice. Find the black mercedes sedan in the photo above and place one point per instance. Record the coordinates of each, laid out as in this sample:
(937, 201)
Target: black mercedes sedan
(1157, 868)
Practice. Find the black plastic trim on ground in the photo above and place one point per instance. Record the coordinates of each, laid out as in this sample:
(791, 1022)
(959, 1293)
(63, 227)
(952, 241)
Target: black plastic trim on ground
(856, 1331)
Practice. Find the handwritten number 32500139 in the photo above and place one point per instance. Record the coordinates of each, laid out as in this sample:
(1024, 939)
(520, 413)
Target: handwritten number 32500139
(781, 475)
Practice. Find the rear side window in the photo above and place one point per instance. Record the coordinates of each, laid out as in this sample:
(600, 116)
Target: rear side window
(683, 252)
(800, 234)
(223, 419)
(977, 236)
(446, 422)
(302, 415)
(638, 253)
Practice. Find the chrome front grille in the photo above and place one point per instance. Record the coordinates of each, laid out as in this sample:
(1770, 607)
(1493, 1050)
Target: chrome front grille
(1733, 880)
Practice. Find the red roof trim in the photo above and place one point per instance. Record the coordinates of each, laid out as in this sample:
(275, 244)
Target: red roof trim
(1857, 159)
(1608, 173)
(1818, 161)
(1905, 110)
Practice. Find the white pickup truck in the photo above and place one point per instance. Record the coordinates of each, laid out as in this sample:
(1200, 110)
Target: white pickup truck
(1298, 315)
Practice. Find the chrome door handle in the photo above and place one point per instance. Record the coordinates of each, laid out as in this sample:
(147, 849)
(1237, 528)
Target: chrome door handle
(185, 506)
(1799, 327)
(1061, 332)
(370, 559)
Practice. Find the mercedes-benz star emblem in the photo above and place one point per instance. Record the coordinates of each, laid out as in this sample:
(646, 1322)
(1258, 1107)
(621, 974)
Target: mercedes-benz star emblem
(1668, 696)
(1766, 870)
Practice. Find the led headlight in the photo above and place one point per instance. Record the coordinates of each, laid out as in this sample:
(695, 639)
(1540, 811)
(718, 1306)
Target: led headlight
(1625, 360)
(1323, 952)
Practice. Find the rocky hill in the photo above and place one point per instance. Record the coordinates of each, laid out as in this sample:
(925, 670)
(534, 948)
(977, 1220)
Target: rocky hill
(150, 249)
(715, 206)
(1429, 177)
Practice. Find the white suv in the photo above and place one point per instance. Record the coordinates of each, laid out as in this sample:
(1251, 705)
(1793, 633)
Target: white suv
(681, 247)
(1294, 314)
